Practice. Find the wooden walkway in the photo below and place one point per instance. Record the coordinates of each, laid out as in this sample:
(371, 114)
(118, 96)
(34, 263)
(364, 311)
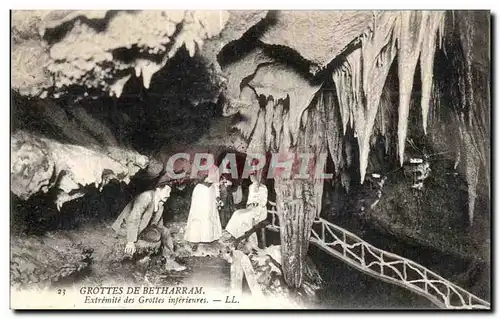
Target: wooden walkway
(384, 265)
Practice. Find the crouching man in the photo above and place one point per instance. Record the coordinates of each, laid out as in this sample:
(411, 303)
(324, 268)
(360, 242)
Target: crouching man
(141, 223)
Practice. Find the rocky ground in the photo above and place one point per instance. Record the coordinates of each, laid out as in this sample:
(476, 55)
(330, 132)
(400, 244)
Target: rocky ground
(92, 255)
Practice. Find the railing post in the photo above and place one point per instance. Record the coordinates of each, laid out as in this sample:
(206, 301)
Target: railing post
(448, 299)
(363, 262)
(344, 241)
(425, 279)
(404, 271)
(323, 238)
(382, 263)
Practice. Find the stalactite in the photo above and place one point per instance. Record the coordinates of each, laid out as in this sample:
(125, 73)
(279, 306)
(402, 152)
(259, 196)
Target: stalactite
(329, 111)
(249, 110)
(348, 153)
(257, 143)
(117, 87)
(468, 90)
(365, 109)
(411, 33)
(77, 53)
(433, 29)
(345, 180)
(472, 163)
(373, 61)
(386, 118)
(280, 81)
(316, 136)
(286, 138)
(353, 86)
(343, 92)
(278, 123)
(380, 120)
(303, 119)
(378, 50)
(475, 97)
(148, 69)
(269, 122)
(347, 81)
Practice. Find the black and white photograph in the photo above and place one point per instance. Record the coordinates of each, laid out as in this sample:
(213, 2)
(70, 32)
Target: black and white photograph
(250, 159)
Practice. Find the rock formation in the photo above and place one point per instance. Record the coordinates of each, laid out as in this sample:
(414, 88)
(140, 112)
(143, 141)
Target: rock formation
(327, 92)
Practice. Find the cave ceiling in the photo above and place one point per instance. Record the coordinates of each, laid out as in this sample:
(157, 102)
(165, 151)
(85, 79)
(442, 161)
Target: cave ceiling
(292, 60)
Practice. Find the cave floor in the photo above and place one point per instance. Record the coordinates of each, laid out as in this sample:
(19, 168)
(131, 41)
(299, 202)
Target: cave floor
(60, 258)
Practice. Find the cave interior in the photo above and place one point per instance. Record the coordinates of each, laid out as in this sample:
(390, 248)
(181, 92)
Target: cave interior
(427, 217)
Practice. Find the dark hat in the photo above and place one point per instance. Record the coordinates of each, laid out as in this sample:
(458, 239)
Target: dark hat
(162, 180)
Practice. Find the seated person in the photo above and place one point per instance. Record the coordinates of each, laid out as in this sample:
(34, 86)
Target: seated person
(244, 219)
(142, 219)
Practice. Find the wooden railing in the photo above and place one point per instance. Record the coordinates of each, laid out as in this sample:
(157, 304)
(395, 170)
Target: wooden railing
(386, 266)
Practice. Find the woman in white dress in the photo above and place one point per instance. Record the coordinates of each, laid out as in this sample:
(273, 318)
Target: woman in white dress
(255, 212)
(203, 225)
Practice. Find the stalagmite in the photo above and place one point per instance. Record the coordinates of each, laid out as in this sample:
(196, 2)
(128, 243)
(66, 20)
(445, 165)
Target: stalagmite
(316, 136)
(411, 32)
(433, 30)
(296, 214)
(300, 202)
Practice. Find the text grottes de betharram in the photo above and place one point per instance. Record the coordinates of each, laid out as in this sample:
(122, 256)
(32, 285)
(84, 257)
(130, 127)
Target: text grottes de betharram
(146, 295)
